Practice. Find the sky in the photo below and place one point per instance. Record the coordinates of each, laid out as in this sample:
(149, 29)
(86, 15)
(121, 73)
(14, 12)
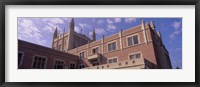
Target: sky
(40, 30)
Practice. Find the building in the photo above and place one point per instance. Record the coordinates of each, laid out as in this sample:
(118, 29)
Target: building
(70, 40)
(138, 47)
(36, 56)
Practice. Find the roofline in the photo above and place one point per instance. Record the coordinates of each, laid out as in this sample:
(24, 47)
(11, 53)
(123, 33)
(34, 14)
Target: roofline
(46, 47)
(111, 35)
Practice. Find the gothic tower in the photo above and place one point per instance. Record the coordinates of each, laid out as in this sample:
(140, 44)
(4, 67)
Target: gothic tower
(71, 35)
(55, 34)
(93, 35)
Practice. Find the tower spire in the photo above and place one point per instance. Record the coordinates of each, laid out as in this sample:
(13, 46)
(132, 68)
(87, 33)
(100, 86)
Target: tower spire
(72, 25)
(152, 25)
(71, 35)
(55, 33)
(93, 35)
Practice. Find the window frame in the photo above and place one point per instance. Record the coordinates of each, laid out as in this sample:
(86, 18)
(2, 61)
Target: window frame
(112, 60)
(95, 48)
(22, 59)
(39, 56)
(72, 63)
(81, 65)
(59, 60)
(141, 56)
(132, 38)
(115, 41)
(84, 56)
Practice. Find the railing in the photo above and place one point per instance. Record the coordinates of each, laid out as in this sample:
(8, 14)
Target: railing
(127, 64)
(94, 56)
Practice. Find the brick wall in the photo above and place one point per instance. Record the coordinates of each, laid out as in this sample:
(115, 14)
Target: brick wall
(30, 50)
(147, 49)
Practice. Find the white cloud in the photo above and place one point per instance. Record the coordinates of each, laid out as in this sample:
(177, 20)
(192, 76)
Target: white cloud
(53, 26)
(100, 31)
(176, 25)
(177, 30)
(35, 29)
(28, 31)
(111, 27)
(77, 29)
(53, 23)
(84, 26)
(117, 20)
(109, 21)
(66, 19)
(49, 29)
(54, 20)
(174, 34)
(130, 20)
(26, 23)
(57, 21)
(100, 22)
(28, 28)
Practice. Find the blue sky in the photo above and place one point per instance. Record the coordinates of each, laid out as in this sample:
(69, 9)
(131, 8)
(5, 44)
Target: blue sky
(40, 30)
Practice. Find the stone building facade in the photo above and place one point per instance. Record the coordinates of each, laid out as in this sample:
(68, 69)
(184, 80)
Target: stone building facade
(70, 40)
(138, 47)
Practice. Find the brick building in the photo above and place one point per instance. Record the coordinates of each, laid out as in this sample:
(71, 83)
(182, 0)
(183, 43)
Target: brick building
(138, 47)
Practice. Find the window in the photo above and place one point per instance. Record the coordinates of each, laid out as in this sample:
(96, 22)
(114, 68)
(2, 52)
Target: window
(133, 40)
(20, 55)
(58, 64)
(112, 46)
(110, 61)
(95, 50)
(60, 48)
(72, 66)
(135, 56)
(39, 62)
(82, 55)
(113, 60)
(81, 66)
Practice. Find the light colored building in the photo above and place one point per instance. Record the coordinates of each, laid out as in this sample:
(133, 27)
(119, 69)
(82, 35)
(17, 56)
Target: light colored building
(70, 40)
